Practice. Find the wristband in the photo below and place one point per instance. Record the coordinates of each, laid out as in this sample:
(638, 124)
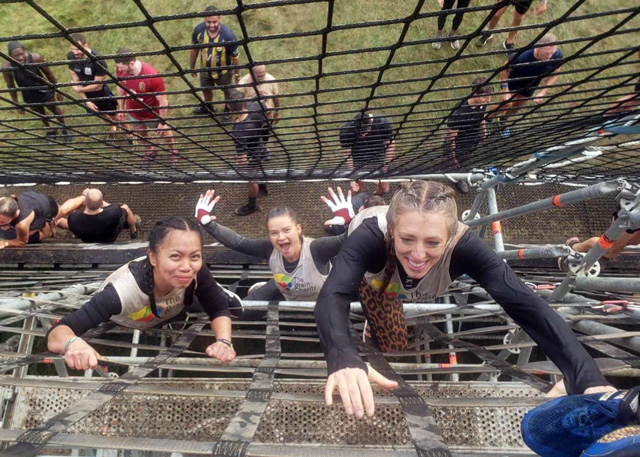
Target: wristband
(504, 86)
(72, 340)
(225, 341)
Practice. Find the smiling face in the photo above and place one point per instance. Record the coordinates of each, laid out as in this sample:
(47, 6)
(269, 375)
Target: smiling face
(126, 67)
(545, 52)
(284, 234)
(4, 222)
(212, 23)
(176, 261)
(419, 241)
(77, 53)
(19, 54)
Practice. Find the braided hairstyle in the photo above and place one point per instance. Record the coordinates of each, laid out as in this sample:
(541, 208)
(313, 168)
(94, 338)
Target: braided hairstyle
(157, 235)
(423, 197)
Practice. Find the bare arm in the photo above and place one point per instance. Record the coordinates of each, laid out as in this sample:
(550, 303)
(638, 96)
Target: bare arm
(236, 71)
(70, 205)
(37, 58)
(11, 84)
(22, 232)
(79, 355)
(222, 351)
(548, 81)
(96, 86)
(389, 154)
(163, 102)
(193, 57)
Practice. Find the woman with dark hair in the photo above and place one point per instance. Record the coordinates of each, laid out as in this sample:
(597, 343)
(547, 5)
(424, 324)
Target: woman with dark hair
(412, 249)
(28, 217)
(148, 292)
(299, 264)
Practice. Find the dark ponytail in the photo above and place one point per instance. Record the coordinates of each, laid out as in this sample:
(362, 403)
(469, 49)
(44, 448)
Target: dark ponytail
(157, 236)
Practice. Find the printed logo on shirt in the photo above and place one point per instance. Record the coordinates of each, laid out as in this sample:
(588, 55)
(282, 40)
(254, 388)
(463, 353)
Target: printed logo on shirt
(393, 289)
(283, 281)
(87, 71)
(141, 86)
(143, 315)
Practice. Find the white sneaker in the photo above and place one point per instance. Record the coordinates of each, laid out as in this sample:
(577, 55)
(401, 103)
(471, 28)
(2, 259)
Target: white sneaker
(255, 287)
(455, 44)
(437, 44)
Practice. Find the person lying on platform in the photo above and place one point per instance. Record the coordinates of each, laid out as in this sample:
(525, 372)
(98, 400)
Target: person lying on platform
(344, 210)
(411, 250)
(33, 82)
(99, 221)
(151, 291)
(299, 264)
(27, 218)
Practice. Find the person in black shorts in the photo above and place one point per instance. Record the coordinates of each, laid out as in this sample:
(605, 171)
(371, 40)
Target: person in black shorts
(367, 142)
(99, 221)
(467, 126)
(520, 9)
(523, 75)
(251, 135)
(215, 58)
(32, 81)
(27, 218)
(97, 96)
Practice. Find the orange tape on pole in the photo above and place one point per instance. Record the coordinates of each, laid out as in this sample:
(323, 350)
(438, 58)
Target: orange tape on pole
(556, 201)
(496, 227)
(521, 253)
(604, 242)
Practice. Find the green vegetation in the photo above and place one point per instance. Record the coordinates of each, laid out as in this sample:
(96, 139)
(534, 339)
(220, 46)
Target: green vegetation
(299, 134)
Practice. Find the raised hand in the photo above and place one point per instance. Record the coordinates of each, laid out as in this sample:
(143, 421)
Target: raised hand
(342, 208)
(205, 206)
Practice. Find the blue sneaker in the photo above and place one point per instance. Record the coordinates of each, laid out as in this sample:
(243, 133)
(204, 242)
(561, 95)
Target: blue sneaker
(621, 443)
(566, 426)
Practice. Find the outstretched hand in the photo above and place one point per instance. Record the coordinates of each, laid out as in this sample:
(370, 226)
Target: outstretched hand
(205, 206)
(342, 208)
(355, 389)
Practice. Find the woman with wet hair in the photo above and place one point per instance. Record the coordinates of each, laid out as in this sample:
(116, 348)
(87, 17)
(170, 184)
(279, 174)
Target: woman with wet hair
(412, 250)
(299, 264)
(151, 291)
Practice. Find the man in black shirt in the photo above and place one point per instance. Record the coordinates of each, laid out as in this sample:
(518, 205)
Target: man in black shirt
(367, 141)
(97, 96)
(467, 125)
(35, 83)
(99, 222)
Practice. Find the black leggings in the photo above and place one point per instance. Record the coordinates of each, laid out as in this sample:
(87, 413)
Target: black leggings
(457, 20)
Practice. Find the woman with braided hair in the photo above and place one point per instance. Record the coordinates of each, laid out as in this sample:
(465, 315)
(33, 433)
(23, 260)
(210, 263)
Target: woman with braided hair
(409, 250)
(151, 291)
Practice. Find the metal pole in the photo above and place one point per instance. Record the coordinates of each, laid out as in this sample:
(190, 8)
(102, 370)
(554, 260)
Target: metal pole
(595, 191)
(476, 204)
(544, 252)
(496, 226)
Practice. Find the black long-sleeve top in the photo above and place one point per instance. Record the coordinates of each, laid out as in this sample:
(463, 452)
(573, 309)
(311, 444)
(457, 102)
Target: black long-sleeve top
(365, 251)
(322, 249)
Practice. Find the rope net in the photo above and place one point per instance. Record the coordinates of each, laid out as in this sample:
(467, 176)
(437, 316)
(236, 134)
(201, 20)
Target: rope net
(332, 60)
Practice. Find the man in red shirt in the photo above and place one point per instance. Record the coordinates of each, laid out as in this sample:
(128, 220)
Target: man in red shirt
(146, 104)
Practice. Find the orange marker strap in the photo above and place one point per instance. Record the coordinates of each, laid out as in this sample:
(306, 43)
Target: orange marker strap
(496, 227)
(521, 253)
(556, 201)
(604, 242)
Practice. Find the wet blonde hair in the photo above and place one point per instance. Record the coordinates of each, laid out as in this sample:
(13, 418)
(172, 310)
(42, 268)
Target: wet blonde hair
(423, 197)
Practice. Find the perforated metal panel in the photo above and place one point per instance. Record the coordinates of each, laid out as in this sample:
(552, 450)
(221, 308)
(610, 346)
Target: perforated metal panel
(285, 421)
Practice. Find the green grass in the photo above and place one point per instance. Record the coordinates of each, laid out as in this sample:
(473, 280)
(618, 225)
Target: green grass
(298, 134)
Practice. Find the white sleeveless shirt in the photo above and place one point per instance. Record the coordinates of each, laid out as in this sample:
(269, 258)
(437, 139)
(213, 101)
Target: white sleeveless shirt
(433, 284)
(136, 306)
(304, 282)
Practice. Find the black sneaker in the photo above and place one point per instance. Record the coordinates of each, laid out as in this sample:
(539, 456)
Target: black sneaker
(66, 137)
(50, 135)
(486, 36)
(247, 209)
(511, 49)
(262, 190)
(202, 109)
